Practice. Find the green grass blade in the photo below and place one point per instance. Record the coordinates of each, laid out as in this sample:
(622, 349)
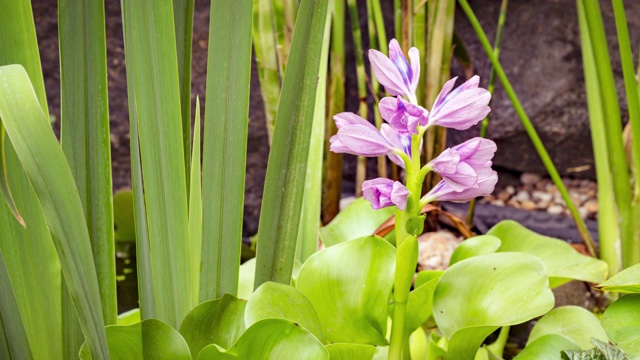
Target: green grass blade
(308, 238)
(225, 145)
(630, 244)
(183, 20)
(152, 66)
(52, 180)
(84, 131)
(265, 45)
(195, 208)
(285, 181)
(531, 131)
(332, 185)
(608, 225)
(14, 343)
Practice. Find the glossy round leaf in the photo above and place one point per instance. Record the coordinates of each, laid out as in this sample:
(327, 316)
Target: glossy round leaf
(477, 245)
(476, 296)
(626, 281)
(345, 351)
(270, 339)
(547, 347)
(621, 322)
(274, 300)
(246, 279)
(150, 339)
(562, 262)
(356, 220)
(349, 286)
(219, 321)
(574, 322)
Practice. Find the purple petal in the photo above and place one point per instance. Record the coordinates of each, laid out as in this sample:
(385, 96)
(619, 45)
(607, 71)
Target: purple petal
(349, 118)
(414, 56)
(387, 73)
(446, 89)
(446, 163)
(400, 61)
(336, 146)
(363, 140)
(399, 195)
(444, 192)
(477, 151)
(402, 115)
(382, 192)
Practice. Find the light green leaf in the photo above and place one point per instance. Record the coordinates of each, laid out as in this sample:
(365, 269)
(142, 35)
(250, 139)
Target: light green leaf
(195, 208)
(353, 279)
(150, 339)
(225, 145)
(219, 321)
(356, 220)
(274, 300)
(270, 339)
(477, 296)
(14, 342)
(547, 347)
(627, 281)
(621, 322)
(420, 305)
(477, 245)
(573, 322)
(51, 178)
(246, 279)
(345, 351)
(130, 317)
(123, 217)
(562, 262)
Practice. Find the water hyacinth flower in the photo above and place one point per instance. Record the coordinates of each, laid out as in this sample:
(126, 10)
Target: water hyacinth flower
(394, 72)
(487, 179)
(461, 108)
(382, 192)
(402, 115)
(460, 165)
(357, 136)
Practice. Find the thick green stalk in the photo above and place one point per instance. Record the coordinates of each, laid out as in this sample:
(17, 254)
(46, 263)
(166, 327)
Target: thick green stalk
(531, 131)
(332, 182)
(363, 109)
(608, 223)
(631, 243)
(491, 87)
(225, 145)
(84, 131)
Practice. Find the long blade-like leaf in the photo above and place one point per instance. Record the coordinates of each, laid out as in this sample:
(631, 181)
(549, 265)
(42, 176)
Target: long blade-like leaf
(195, 208)
(285, 181)
(52, 180)
(152, 67)
(85, 131)
(14, 343)
(225, 145)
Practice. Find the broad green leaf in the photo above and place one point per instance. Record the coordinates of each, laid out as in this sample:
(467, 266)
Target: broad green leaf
(420, 305)
(195, 208)
(280, 213)
(270, 339)
(562, 262)
(346, 351)
(419, 344)
(130, 317)
(219, 321)
(477, 296)
(51, 178)
(246, 279)
(426, 276)
(154, 103)
(150, 339)
(356, 220)
(627, 281)
(274, 300)
(621, 322)
(225, 145)
(84, 132)
(353, 279)
(477, 245)
(547, 347)
(574, 322)
(601, 351)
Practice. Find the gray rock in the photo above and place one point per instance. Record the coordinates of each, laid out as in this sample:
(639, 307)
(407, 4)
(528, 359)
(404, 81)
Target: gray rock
(541, 56)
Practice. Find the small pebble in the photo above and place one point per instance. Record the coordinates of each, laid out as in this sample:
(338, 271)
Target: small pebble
(555, 209)
(522, 196)
(591, 206)
(542, 196)
(530, 178)
(528, 205)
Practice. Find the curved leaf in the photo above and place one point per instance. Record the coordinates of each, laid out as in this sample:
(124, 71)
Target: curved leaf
(626, 281)
(621, 322)
(356, 220)
(547, 347)
(349, 285)
(477, 245)
(274, 300)
(476, 296)
(219, 321)
(573, 322)
(246, 278)
(270, 339)
(560, 259)
(344, 351)
(420, 305)
(150, 339)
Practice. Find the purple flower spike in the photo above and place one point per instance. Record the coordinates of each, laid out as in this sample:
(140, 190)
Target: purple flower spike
(357, 136)
(461, 108)
(461, 165)
(382, 192)
(487, 180)
(394, 72)
(402, 115)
